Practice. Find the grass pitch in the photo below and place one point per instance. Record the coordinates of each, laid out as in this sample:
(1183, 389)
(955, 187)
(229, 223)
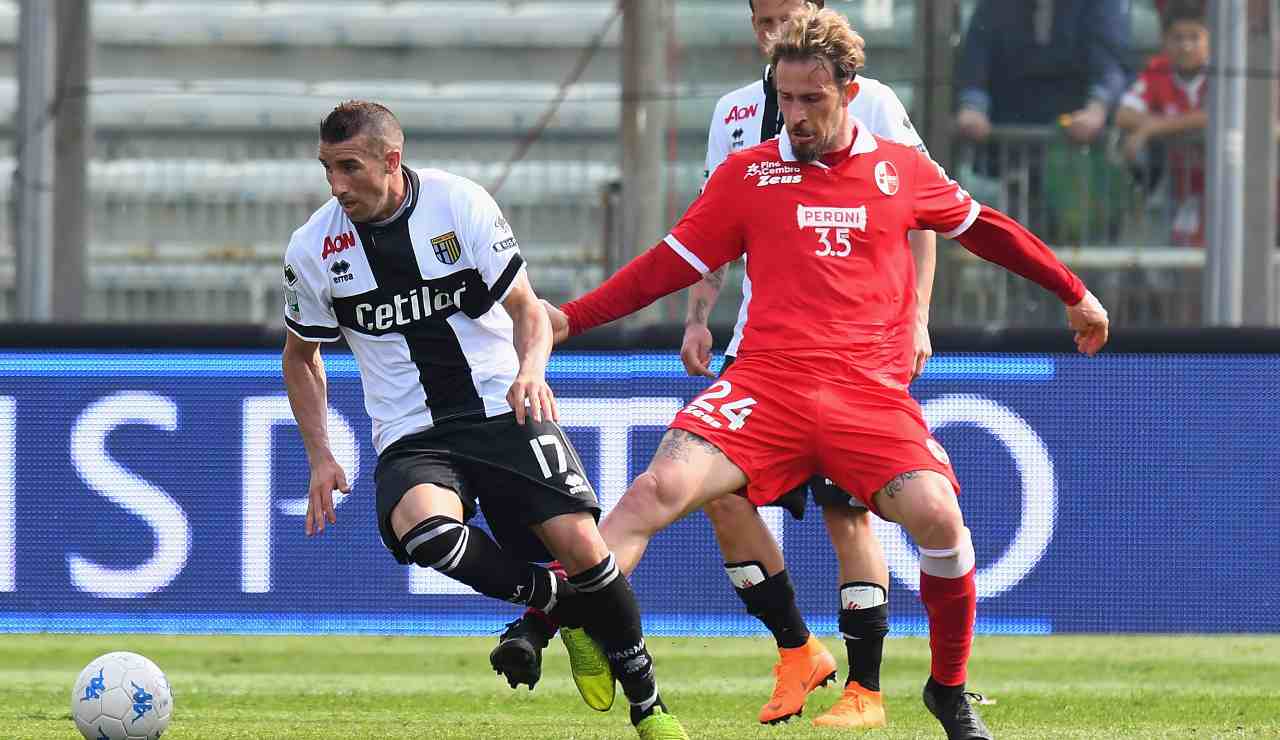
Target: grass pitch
(333, 686)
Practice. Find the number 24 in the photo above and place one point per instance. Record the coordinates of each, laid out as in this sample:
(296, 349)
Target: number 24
(735, 411)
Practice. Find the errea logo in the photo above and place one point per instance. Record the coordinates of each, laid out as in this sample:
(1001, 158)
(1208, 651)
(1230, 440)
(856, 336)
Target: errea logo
(577, 484)
(341, 271)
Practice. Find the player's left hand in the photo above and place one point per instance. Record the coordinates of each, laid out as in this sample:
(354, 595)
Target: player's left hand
(923, 349)
(1089, 321)
(537, 394)
(559, 321)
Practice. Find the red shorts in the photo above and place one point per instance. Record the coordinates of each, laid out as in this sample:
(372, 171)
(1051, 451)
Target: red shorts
(783, 420)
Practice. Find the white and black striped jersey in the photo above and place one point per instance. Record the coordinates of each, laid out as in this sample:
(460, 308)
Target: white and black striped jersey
(418, 300)
(750, 115)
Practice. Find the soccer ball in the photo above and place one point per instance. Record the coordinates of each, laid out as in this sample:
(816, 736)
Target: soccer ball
(121, 696)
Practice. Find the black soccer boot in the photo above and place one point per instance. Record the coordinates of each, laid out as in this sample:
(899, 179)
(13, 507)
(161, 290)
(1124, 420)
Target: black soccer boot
(952, 708)
(518, 656)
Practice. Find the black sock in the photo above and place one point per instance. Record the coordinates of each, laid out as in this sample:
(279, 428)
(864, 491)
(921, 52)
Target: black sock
(468, 554)
(945, 694)
(773, 601)
(864, 622)
(612, 617)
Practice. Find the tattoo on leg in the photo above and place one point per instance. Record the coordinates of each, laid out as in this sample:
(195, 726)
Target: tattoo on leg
(894, 486)
(677, 444)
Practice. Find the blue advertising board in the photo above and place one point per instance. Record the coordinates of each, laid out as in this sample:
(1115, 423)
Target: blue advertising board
(148, 491)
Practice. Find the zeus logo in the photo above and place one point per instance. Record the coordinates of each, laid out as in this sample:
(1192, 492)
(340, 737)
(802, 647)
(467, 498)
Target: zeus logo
(406, 308)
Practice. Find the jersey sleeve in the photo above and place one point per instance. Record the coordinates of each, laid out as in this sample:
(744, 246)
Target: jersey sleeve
(889, 120)
(487, 238)
(308, 309)
(717, 145)
(712, 232)
(940, 204)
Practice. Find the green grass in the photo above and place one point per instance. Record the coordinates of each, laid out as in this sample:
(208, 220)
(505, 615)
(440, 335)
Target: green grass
(333, 686)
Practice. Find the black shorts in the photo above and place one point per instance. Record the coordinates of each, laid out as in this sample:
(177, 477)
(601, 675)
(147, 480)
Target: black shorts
(824, 492)
(516, 475)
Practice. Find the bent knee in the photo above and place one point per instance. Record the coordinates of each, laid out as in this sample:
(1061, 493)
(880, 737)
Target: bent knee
(938, 520)
(654, 498)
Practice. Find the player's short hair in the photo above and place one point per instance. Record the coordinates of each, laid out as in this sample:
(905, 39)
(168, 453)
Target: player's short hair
(1182, 10)
(822, 34)
(817, 3)
(362, 118)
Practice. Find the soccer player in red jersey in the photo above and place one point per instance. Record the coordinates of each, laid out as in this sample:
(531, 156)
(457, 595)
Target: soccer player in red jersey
(820, 384)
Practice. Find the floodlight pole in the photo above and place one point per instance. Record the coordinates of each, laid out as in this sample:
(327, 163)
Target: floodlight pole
(1224, 144)
(646, 108)
(74, 137)
(33, 180)
(1260, 299)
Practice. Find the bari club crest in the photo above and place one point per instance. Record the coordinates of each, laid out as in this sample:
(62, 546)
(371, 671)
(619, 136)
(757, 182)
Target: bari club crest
(887, 177)
(447, 248)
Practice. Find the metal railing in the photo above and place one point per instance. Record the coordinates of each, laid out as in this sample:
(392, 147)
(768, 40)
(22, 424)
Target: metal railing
(202, 240)
(1132, 230)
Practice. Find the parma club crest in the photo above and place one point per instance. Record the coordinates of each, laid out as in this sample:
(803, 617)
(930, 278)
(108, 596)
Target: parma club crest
(447, 247)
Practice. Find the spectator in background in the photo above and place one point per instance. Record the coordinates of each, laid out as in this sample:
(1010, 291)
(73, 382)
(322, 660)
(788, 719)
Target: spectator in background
(1037, 62)
(1167, 100)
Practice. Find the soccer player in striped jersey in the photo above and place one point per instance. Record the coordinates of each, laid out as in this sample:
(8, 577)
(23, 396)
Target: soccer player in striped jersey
(418, 270)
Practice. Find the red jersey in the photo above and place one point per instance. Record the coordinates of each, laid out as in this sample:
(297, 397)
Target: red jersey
(827, 250)
(1160, 91)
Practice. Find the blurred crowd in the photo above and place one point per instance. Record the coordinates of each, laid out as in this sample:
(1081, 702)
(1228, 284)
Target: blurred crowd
(1031, 66)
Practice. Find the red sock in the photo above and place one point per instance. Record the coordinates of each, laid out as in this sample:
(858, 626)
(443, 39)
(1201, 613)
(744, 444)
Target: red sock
(952, 604)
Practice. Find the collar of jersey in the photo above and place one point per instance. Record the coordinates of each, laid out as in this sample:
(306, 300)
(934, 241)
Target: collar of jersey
(407, 205)
(863, 143)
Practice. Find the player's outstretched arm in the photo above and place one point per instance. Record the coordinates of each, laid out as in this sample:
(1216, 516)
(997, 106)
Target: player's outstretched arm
(304, 380)
(695, 348)
(532, 338)
(997, 238)
(643, 280)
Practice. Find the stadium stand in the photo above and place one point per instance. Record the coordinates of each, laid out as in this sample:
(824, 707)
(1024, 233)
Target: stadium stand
(205, 117)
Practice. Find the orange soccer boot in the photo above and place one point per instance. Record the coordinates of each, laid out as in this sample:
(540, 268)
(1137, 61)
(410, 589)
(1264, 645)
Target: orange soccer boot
(856, 707)
(796, 674)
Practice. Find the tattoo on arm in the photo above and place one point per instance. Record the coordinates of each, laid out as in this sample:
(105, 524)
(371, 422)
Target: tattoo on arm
(894, 486)
(701, 312)
(715, 278)
(678, 445)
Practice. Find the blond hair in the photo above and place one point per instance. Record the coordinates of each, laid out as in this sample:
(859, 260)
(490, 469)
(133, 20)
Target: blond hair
(820, 34)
